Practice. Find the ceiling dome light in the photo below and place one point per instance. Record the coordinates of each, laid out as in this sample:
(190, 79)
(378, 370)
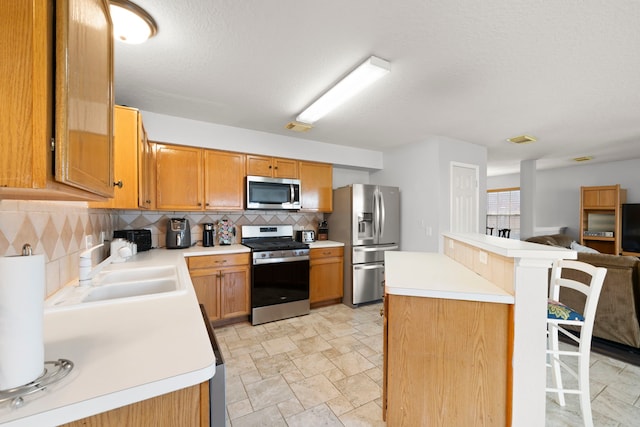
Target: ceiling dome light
(131, 23)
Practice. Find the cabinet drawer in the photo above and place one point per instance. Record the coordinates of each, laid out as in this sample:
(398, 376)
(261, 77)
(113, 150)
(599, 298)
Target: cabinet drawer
(216, 261)
(326, 252)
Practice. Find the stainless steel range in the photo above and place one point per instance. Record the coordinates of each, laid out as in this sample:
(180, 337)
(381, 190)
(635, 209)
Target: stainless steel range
(279, 273)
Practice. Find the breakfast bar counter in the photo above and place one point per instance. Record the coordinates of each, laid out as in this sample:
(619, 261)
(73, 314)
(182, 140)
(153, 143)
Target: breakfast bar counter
(465, 333)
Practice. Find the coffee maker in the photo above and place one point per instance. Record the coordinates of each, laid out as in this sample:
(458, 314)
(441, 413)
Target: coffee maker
(178, 233)
(207, 234)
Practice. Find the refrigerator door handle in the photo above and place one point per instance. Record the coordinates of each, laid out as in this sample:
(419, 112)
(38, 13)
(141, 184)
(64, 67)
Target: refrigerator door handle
(375, 216)
(368, 266)
(376, 248)
(382, 213)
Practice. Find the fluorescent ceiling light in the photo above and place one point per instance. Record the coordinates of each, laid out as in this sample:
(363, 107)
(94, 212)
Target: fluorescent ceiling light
(131, 23)
(366, 73)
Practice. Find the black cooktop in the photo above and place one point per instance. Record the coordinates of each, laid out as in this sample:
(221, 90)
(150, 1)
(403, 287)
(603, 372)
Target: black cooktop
(273, 244)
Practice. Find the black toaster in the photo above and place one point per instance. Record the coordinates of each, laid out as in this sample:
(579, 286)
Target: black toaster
(142, 237)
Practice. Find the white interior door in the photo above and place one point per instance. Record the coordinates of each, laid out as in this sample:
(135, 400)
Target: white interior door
(464, 198)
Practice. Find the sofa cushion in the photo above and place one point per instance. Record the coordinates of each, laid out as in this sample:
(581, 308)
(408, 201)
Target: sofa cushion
(552, 240)
(562, 240)
(543, 240)
(618, 306)
(580, 248)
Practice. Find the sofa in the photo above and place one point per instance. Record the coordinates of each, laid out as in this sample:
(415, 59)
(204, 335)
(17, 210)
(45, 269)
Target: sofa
(619, 305)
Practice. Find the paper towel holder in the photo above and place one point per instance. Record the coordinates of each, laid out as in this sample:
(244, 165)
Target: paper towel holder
(59, 369)
(26, 250)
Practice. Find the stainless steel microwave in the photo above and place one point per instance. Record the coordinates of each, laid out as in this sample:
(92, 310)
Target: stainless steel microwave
(273, 193)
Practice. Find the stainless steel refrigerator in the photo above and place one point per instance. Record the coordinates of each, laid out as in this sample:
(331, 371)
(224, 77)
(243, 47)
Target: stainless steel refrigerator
(366, 218)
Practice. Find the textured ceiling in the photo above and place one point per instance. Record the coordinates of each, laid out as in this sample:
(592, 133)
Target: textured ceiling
(566, 72)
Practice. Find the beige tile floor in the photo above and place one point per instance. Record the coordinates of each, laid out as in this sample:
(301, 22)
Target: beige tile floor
(325, 369)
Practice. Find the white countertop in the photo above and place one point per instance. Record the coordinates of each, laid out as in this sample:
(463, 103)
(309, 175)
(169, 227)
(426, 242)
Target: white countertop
(434, 275)
(124, 350)
(513, 248)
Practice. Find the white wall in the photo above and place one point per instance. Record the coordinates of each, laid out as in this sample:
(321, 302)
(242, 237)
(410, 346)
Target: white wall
(177, 130)
(343, 176)
(422, 171)
(558, 190)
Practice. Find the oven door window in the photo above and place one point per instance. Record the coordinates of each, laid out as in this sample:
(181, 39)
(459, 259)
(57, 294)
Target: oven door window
(279, 283)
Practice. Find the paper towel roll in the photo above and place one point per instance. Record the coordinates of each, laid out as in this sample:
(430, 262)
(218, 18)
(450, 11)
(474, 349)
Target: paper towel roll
(22, 291)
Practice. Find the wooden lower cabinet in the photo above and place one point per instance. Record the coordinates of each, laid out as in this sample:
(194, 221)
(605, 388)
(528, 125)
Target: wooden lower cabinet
(445, 362)
(222, 284)
(188, 407)
(326, 275)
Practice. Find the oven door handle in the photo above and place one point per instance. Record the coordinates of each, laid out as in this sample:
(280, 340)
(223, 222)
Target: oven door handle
(279, 260)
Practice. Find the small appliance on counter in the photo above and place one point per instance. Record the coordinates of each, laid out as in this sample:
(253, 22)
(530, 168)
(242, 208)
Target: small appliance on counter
(207, 234)
(305, 236)
(323, 231)
(178, 233)
(226, 232)
(142, 238)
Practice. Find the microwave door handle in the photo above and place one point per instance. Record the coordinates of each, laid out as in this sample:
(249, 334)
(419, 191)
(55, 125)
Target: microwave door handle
(292, 194)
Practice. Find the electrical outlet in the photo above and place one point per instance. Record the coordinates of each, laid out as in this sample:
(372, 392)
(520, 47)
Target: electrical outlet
(482, 257)
(88, 241)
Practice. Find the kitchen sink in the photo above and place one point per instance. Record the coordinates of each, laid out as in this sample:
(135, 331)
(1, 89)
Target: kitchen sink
(118, 283)
(130, 289)
(134, 274)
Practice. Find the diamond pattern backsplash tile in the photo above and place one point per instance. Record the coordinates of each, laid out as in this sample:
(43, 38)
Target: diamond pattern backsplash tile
(55, 229)
(58, 229)
(157, 221)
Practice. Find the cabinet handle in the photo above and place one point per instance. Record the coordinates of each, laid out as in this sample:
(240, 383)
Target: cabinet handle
(199, 204)
(220, 261)
(270, 166)
(206, 204)
(148, 202)
(118, 184)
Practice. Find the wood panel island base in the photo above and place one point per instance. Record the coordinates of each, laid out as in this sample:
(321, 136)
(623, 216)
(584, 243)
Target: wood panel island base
(460, 348)
(465, 333)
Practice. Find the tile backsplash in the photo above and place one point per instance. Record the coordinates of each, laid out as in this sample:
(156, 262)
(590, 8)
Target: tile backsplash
(55, 229)
(58, 229)
(156, 221)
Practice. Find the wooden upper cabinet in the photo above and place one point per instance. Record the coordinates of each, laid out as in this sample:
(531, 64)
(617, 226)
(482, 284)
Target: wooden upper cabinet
(274, 167)
(125, 158)
(84, 104)
(600, 197)
(316, 182)
(178, 177)
(223, 180)
(146, 169)
(34, 33)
